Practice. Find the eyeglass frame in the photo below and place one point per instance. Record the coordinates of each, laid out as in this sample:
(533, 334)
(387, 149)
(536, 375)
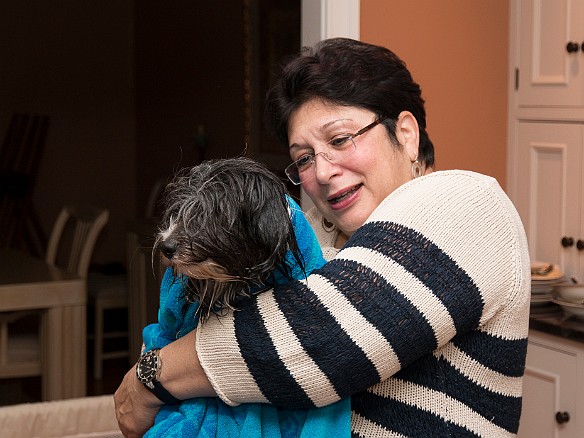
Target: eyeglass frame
(351, 137)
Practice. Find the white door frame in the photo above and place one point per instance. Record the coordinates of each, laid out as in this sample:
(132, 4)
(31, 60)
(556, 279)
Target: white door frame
(323, 19)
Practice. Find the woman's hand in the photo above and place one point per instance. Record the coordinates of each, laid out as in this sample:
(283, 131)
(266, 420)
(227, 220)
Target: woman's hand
(181, 375)
(136, 407)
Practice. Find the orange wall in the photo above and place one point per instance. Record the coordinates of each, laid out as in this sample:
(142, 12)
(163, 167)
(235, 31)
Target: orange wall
(457, 50)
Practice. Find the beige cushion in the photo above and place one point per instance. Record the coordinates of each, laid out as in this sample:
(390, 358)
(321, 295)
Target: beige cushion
(73, 418)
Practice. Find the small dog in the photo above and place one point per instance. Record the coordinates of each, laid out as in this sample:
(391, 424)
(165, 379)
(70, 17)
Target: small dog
(227, 227)
(229, 230)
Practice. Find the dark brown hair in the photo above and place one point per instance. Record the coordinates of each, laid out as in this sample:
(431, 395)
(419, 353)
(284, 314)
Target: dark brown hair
(347, 72)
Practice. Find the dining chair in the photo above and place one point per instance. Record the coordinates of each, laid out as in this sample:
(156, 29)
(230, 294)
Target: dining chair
(73, 250)
(108, 293)
(105, 292)
(70, 246)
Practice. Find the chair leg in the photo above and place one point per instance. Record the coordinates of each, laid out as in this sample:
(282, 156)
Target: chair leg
(98, 343)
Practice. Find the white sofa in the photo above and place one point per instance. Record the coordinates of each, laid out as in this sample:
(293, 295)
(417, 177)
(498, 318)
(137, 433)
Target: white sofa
(87, 417)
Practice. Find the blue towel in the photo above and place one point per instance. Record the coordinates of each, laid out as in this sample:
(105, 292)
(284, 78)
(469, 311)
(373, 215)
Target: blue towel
(210, 417)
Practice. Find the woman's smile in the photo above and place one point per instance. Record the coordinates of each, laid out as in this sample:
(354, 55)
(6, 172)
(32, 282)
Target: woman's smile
(344, 198)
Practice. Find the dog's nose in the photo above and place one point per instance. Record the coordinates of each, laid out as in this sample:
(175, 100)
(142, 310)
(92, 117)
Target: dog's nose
(169, 247)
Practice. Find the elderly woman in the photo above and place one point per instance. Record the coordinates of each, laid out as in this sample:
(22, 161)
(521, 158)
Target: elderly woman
(421, 317)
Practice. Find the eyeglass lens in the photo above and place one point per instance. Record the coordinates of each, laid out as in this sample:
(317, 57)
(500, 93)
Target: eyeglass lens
(297, 171)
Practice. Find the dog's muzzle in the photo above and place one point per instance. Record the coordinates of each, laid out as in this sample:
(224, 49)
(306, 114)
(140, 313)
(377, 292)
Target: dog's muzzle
(168, 248)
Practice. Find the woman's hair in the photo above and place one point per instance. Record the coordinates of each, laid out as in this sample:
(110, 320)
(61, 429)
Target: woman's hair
(347, 72)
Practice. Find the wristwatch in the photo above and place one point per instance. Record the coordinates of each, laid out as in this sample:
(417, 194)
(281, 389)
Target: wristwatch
(148, 371)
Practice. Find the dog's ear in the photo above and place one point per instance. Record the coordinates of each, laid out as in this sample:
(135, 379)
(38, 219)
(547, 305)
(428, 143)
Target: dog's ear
(270, 229)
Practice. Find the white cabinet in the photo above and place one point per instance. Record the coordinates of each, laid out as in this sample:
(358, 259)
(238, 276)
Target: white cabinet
(551, 56)
(546, 128)
(546, 183)
(550, 192)
(553, 406)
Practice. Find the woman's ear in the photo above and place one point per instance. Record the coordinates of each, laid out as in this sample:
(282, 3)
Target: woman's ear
(408, 133)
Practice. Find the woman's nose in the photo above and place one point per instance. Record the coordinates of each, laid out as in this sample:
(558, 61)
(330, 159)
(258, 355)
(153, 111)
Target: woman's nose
(324, 168)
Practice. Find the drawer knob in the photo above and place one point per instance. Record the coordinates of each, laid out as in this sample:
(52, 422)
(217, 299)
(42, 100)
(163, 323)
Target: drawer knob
(572, 47)
(562, 417)
(580, 244)
(567, 242)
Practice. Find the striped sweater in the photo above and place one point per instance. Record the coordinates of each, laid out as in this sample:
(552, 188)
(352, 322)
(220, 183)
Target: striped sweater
(422, 318)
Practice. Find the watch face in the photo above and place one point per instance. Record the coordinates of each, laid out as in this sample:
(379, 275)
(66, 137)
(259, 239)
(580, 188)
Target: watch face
(147, 367)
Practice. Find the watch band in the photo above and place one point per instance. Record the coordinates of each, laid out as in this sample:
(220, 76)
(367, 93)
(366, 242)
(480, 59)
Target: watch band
(161, 392)
(148, 370)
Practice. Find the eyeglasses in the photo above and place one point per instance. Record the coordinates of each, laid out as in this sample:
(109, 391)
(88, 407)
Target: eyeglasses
(338, 149)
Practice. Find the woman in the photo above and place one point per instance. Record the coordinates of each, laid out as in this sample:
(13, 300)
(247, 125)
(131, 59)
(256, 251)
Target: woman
(421, 317)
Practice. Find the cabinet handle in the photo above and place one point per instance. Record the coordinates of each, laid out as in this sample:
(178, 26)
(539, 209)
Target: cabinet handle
(580, 244)
(567, 242)
(572, 47)
(562, 417)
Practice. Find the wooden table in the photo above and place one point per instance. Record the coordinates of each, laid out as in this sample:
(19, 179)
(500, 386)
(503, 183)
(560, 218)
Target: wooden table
(30, 283)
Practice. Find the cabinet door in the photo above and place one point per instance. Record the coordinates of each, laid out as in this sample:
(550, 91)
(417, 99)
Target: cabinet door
(549, 75)
(549, 190)
(549, 387)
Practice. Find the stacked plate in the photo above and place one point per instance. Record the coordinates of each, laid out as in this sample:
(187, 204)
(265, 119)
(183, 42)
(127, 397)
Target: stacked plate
(570, 297)
(544, 277)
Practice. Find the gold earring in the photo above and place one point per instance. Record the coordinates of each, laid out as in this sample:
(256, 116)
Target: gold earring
(417, 169)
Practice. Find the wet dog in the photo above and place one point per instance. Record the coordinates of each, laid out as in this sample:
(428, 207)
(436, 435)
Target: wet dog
(227, 227)
(230, 231)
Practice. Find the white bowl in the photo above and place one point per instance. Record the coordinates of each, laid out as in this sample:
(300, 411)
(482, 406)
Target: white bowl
(570, 292)
(570, 308)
